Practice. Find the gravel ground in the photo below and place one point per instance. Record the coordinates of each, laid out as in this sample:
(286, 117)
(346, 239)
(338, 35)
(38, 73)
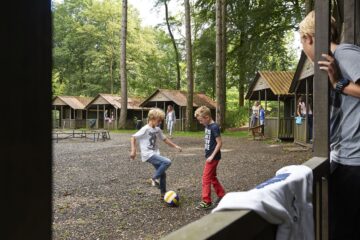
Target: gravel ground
(100, 194)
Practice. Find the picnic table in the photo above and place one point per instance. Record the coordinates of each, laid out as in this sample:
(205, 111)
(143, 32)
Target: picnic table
(94, 135)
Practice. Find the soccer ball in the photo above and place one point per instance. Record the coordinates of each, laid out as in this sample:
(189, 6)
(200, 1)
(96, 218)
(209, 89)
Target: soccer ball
(171, 198)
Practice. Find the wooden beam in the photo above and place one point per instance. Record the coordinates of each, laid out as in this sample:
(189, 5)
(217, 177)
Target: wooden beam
(321, 98)
(278, 122)
(321, 82)
(349, 21)
(26, 146)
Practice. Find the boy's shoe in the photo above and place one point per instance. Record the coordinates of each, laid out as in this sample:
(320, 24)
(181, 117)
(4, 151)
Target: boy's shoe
(204, 206)
(155, 182)
(217, 201)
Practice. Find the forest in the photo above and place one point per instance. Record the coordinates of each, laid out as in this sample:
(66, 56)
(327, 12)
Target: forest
(256, 35)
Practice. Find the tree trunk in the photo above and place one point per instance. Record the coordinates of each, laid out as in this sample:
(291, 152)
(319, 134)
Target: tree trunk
(123, 78)
(241, 90)
(189, 68)
(174, 44)
(111, 75)
(223, 51)
(220, 93)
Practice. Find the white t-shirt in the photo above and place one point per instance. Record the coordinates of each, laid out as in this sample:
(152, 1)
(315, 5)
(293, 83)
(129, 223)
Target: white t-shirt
(285, 199)
(147, 137)
(170, 116)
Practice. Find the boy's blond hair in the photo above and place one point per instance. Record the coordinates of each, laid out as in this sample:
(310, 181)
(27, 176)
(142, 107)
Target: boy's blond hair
(307, 26)
(156, 113)
(202, 111)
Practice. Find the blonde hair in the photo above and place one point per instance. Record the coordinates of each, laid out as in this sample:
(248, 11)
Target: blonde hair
(156, 113)
(307, 27)
(202, 111)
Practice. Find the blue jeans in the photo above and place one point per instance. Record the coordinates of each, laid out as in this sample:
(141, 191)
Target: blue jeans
(160, 164)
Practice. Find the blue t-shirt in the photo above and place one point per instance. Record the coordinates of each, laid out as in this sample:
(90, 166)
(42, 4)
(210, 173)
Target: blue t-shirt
(212, 131)
(262, 114)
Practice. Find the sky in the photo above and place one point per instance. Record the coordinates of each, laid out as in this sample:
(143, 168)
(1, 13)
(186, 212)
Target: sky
(151, 16)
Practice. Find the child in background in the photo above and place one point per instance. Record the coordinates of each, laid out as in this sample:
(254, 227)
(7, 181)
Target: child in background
(213, 145)
(170, 119)
(147, 137)
(262, 120)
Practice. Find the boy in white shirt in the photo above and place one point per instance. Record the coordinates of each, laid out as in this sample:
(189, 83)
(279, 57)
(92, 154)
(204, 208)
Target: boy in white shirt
(147, 137)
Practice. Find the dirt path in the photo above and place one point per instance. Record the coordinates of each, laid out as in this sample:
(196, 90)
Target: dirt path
(100, 194)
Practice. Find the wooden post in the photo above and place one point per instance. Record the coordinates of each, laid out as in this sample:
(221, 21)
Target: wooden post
(321, 82)
(181, 128)
(104, 116)
(278, 123)
(26, 146)
(321, 108)
(349, 21)
(61, 116)
(86, 119)
(265, 99)
(97, 116)
(116, 118)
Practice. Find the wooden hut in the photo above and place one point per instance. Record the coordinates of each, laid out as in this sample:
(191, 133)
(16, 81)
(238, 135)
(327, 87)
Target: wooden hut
(161, 98)
(69, 111)
(302, 85)
(274, 86)
(104, 111)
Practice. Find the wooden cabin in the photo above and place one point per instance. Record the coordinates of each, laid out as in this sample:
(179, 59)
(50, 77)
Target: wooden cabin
(302, 85)
(161, 98)
(274, 86)
(69, 111)
(104, 112)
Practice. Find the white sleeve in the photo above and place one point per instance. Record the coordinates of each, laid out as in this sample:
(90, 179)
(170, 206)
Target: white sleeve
(140, 133)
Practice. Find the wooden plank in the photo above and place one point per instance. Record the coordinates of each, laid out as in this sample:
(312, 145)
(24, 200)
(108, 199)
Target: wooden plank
(26, 146)
(321, 82)
(357, 23)
(349, 21)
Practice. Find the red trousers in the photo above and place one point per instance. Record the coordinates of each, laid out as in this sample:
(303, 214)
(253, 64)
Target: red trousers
(208, 178)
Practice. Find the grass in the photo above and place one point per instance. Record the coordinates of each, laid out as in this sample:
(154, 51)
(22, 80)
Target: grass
(240, 134)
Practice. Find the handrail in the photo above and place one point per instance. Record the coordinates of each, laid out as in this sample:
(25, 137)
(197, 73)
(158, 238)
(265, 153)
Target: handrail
(246, 224)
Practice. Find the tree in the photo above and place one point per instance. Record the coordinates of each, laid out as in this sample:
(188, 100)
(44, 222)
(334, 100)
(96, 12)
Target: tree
(177, 56)
(220, 63)
(124, 98)
(189, 68)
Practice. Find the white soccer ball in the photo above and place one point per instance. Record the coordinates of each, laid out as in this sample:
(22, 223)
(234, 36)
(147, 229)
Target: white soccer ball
(171, 198)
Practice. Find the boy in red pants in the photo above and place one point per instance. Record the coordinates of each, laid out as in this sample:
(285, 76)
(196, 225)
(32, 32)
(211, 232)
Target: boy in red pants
(213, 145)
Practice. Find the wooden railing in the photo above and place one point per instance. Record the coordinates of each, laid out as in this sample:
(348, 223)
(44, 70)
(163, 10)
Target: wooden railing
(248, 225)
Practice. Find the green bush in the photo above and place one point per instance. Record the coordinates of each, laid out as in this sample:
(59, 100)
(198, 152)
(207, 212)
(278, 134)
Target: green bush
(236, 117)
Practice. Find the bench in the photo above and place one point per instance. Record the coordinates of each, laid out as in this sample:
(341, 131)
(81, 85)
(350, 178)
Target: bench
(94, 135)
(257, 131)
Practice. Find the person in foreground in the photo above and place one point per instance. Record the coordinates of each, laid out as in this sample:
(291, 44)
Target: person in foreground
(147, 137)
(343, 68)
(213, 145)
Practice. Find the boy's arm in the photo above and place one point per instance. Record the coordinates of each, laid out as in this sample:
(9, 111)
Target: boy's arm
(133, 148)
(216, 150)
(170, 143)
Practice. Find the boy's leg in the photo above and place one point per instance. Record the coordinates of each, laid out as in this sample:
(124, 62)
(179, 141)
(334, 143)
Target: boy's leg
(209, 170)
(160, 163)
(163, 184)
(219, 189)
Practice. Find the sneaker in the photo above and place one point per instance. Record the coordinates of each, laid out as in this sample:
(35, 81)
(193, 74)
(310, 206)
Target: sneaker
(155, 183)
(217, 201)
(204, 205)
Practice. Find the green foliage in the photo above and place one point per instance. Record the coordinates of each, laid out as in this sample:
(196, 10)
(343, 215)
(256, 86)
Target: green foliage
(237, 117)
(87, 50)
